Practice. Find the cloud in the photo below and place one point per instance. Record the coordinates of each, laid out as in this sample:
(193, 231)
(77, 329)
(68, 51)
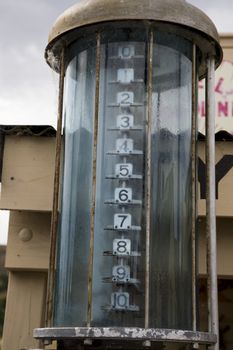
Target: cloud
(26, 88)
(219, 11)
(4, 220)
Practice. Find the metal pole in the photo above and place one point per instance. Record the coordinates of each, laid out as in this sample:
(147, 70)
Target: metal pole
(55, 215)
(94, 163)
(148, 174)
(194, 187)
(210, 202)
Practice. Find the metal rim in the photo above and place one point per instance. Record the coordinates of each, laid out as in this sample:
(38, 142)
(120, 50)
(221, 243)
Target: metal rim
(128, 334)
(204, 45)
(89, 13)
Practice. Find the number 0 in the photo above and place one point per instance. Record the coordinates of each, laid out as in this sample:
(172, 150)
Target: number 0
(126, 51)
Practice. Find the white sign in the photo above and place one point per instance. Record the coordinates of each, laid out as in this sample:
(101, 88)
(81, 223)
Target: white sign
(223, 97)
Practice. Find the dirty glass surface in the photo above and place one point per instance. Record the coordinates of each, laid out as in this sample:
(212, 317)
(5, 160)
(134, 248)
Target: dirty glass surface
(118, 289)
(171, 249)
(73, 249)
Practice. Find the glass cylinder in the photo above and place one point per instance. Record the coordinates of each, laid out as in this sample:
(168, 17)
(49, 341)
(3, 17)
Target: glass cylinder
(117, 280)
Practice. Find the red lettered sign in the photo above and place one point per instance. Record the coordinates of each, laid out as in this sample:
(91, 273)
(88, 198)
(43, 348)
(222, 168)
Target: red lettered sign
(223, 97)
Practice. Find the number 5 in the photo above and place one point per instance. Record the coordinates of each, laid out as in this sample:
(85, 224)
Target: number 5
(124, 170)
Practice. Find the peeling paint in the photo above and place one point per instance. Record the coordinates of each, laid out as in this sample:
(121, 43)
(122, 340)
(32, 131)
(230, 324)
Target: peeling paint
(130, 334)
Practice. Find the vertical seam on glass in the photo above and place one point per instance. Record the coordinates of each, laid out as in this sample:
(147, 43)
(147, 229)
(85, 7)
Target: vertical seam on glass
(210, 201)
(54, 217)
(93, 203)
(148, 172)
(194, 205)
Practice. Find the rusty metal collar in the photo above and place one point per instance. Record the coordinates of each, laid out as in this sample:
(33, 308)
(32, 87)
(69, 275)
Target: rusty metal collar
(92, 12)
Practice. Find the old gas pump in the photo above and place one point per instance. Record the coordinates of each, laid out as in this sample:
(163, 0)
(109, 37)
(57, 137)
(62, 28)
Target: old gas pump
(123, 238)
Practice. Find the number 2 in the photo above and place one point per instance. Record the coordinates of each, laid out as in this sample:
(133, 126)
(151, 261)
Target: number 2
(125, 98)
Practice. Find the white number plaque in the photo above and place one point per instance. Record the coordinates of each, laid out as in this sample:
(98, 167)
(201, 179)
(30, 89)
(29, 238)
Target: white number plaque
(121, 247)
(124, 146)
(125, 75)
(124, 170)
(122, 221)
(125, 121)
(126, 51)
(123, 194)
(125, 98)
(120, 301)
(121, 273)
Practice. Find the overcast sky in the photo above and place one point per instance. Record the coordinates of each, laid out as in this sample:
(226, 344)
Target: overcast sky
(27, 84)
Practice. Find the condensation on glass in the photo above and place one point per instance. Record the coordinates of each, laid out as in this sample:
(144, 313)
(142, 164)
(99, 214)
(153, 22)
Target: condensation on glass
(118, 285)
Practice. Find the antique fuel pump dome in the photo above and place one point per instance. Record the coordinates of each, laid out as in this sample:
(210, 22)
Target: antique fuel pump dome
(123, 235)
(187, 19)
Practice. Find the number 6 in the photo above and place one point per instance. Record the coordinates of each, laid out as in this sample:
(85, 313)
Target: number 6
(123, 195)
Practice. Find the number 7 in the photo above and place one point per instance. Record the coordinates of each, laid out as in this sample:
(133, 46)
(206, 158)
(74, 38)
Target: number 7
(122, 221)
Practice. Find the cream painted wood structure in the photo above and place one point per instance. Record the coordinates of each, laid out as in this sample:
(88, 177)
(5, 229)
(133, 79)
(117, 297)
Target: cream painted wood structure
(27, 186)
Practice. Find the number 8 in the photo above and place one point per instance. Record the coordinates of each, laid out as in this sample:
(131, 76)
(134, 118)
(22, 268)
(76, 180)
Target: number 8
(121, 247)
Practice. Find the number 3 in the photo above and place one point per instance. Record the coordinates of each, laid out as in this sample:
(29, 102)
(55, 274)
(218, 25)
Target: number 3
(125, 121)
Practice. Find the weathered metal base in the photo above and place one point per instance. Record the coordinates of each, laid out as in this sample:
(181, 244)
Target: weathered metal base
(113, 334)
